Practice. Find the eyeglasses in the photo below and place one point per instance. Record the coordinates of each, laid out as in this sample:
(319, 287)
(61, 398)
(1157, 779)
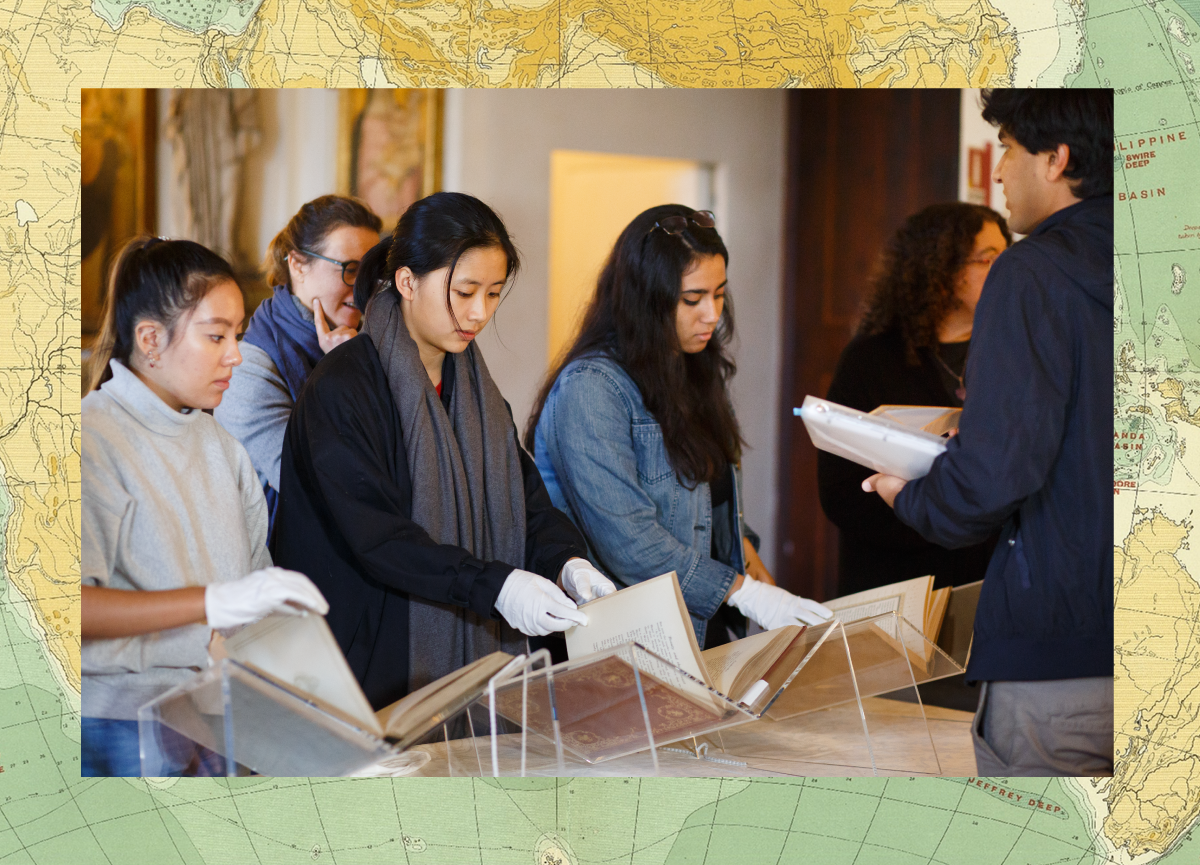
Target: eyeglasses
(349, 268)
(676, 224)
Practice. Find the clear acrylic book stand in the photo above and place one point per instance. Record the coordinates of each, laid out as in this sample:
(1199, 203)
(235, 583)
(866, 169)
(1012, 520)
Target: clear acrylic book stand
(627, 700)
(247, 722)
(819, 716)
(616, 703)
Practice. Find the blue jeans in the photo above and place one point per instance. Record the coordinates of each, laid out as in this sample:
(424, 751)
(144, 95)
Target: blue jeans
(111, 748)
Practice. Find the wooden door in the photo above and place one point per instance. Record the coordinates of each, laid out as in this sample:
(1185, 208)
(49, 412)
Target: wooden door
(858, 163)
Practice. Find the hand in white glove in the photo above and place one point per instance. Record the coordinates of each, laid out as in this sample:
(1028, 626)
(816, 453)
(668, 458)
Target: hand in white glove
(535, 606)
(583, 582)
(773, 607)
(260, 593)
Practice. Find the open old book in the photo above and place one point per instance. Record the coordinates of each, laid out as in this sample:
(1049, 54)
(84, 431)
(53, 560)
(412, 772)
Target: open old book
(916, 600)
(897, 440)
(653, 614)
(937, 420)
(300, 655)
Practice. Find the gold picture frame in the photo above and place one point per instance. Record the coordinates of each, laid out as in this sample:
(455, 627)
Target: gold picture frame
(117, 197)
(389, 147)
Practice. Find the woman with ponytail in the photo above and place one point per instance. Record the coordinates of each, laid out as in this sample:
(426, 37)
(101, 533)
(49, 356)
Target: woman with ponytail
(635, 434)
(312, 263)
(403, 488)
(174, 522)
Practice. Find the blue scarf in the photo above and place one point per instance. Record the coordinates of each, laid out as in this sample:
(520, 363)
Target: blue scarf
(290, 340)
(281, 330)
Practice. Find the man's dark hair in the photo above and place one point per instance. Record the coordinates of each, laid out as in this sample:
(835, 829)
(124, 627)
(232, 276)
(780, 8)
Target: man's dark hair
(1040, 120)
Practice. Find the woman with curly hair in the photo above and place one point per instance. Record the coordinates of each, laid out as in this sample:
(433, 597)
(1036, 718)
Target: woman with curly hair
(910, 349)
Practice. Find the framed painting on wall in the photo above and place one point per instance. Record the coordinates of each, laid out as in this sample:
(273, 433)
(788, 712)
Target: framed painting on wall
(117, 129)
(390, 148)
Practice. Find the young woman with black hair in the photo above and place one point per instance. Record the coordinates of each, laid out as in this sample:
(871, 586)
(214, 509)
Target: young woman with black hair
(174, 521)
(635, 434)
(312, 264)
(403, 489)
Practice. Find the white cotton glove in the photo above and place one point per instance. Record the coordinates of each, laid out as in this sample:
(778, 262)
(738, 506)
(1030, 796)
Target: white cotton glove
(260, 593)
(535, 606)
(773, 607)
(583, 582)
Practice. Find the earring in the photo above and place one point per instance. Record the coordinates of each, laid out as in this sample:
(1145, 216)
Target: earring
(153, 358)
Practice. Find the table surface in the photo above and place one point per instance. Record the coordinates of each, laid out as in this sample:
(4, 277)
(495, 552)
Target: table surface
(829, 742)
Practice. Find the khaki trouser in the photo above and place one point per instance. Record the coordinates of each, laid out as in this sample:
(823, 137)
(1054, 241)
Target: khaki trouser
(1056, 727)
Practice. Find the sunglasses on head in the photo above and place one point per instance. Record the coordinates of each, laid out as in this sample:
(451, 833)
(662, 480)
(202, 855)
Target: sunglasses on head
(676, 224)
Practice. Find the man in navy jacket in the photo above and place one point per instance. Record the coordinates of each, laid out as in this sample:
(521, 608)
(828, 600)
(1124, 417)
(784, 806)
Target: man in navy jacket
(1031, 456)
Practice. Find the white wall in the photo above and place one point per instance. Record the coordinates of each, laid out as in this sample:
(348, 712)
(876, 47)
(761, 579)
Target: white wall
(974, 131)
(497, 147)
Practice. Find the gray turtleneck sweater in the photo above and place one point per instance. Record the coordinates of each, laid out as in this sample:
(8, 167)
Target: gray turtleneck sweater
(170, 500)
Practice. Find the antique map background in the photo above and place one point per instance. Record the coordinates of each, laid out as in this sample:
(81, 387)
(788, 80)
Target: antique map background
(1145, 49)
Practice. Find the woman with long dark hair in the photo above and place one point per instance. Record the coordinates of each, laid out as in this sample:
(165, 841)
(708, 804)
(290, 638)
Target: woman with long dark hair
(174, 522)
(910, 349)
(635, 434)
(312, 263)
(403, 489)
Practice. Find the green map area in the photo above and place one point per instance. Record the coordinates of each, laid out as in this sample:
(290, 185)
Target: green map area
(1145, 50)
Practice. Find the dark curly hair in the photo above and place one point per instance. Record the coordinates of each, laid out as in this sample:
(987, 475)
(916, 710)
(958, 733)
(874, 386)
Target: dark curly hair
(914, 284)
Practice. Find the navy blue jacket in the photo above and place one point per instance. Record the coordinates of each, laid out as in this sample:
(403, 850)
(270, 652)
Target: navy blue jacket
(1032, 455)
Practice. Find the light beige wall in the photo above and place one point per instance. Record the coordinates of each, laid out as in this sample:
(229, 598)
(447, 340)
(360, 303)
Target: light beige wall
(593, 196)
(498, 147)
(295, 161)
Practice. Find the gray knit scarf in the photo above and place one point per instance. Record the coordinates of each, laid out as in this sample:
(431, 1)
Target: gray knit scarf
(467, 486)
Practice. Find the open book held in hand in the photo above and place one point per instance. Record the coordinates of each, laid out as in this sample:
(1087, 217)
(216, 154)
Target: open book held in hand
(653, 614)
(897, 440)
(300, 655)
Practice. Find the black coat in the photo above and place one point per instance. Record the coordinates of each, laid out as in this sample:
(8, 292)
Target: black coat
(1032, 455)
(874, 547)
(344, 519)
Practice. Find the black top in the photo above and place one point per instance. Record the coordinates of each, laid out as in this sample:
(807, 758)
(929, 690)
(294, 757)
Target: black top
(720, 488)
(345, 507)
(874, 547)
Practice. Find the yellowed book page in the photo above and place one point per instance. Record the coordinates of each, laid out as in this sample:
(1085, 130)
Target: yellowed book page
(725, 663)
(302, 651)
(444, 697)
(735, 667)
(938, 601)
(908, 598)
(932, 419)
(650, 613)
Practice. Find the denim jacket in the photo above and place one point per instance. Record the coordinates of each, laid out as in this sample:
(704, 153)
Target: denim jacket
(602, 457)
